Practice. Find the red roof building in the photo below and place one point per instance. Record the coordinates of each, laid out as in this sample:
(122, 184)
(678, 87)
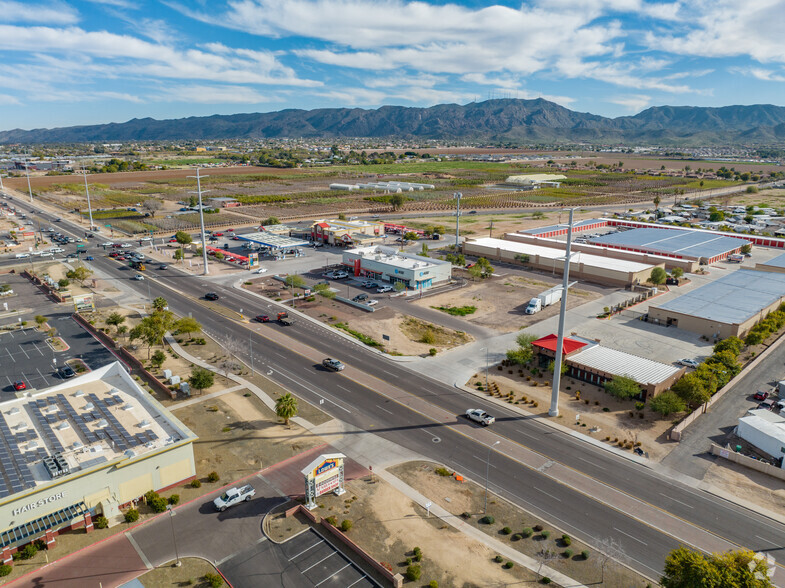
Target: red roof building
(549, 342)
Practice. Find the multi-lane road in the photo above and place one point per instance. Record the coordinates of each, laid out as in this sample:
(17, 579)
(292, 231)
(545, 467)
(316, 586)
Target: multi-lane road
(585, 490)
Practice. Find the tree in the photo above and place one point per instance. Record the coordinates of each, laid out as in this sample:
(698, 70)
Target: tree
(151, 329)
(482, 269)
(424, 250)
(160, 303)
(524, 352)
(183, 238)
(63, 283)
(726, 360)
(286, 407)
(187, 325)
(79, 273)
(272, 220)
(294, 281)
(152, 205)
(40, 319)
(178, 255)
(115, 320)
(324, 290)
(746, 248)
(733, 344)
(201, 379)
(717, 216)
(656, 201)
(692, 389)
(158, 358)
(658, 276)
(397, 200)
(677, 272)
(399, 286)
(667, 403)
(622, 387)
(687, 568)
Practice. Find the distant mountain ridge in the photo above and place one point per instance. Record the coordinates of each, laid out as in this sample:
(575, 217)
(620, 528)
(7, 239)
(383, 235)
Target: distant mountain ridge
(507, 119)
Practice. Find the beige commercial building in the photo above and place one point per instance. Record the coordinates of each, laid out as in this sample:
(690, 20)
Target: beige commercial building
(348, 233)
(86, 447)
(584, 266)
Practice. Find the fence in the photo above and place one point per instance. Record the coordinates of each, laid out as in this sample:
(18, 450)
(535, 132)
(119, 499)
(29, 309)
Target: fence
(748, 462)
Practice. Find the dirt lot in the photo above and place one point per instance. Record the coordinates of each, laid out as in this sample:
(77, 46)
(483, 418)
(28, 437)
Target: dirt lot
(191, 573)
(752, 486)
(500, 301)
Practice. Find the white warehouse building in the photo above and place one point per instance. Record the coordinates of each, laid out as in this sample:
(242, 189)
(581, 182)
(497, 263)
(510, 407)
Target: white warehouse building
(388, 265)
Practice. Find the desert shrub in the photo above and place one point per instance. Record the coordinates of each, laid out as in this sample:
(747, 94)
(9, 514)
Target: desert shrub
(346, 525)
(196, 483)
(131, 515)
(527, 532)
(28, 551)
(639, 406)
(443, 472)
(413, 573)
(213, 477)
(506, 530)
(566, 540)
(215, 580)
(585, 554)
(546, 580)
(174, 499)
(332, 520)
(101, 522)
(537, 528)
(433, 584)
(5, 569)
(545, 534)
(487, 520)
(498, 559)
(568, 553)
(508, 565)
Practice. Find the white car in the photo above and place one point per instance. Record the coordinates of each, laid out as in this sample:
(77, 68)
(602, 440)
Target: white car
(689, 363)
(126, 245)
(21, 255)
(261, 270)
(383, 289)
(138, 277)
(480, 416)
(46, 254)
(372, 303)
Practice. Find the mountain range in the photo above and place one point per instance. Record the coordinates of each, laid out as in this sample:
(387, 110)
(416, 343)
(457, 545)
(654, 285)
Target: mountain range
(511, 120)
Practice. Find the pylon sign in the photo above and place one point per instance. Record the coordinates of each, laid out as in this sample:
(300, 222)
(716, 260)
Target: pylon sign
(323, 475)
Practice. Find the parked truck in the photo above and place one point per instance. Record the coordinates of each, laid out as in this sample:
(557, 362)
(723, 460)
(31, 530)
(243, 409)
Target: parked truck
(540, 301)
(234, 496)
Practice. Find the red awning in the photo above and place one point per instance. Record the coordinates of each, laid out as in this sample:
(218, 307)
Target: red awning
(549, 342)
(323, 225)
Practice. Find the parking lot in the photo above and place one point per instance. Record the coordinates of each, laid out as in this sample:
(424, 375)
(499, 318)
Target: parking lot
(305, 560)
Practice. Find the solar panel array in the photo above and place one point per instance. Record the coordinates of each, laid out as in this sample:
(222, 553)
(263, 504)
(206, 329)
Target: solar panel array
(80, 420)
(46, 423)
(16, 475)
(122, 439)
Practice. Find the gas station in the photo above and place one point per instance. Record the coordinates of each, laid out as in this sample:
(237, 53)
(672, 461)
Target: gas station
(272, 241)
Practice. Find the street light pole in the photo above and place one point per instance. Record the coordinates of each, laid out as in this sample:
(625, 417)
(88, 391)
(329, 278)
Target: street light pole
(87, 192)
(457, 197)
(487, 473)
(201, 217)
(177, 562)
(27, 171)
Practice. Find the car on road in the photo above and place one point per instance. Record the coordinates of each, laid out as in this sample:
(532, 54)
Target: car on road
(218, 234)
(766, 405)
(332, 364)
(234, 496)
(261, 270)
(372, 303)
(235, 238)
(65, 372)
(71, 256)
(480, 416)
(163, 266)
(138, 277)
(211, 296)
(89, 258)
(20, 385)
(172, 240)
(370, 284)
(383, 289)
(360, 298)
(760, 395)
(47, 254)
(126, 245)
(340, 275)
(689, 363)
(114, 254)
(317, 244)
(21, 255)
(263, 318)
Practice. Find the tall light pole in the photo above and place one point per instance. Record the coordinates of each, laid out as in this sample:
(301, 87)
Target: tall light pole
(554, 409)
(486, 367)
(177, 562)
(87, 192)
(457, 197)
(2, 189)
(27, 171)
(201, 217)
(487, 473)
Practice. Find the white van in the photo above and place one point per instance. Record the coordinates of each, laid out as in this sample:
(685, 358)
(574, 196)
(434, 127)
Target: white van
(57, 250)
(20, 255)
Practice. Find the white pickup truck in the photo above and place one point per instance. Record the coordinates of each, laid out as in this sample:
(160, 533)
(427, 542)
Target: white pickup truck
(234, 496)
(480, 416)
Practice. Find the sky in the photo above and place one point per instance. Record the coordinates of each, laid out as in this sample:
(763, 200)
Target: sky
(79, 62)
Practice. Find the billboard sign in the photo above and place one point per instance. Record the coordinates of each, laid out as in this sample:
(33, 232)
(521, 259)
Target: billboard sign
(323, 475)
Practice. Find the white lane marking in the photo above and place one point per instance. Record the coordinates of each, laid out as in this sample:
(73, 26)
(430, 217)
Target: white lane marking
(311, 390)
(674, 500)
(22, 349)
(360, 579)
(767, 541)
(546, 493)
(630, 536)
(318, 562)
(384, 409)
(483, 460)
(10, 355)
(596, 465)
(333, 575)
(344, 389)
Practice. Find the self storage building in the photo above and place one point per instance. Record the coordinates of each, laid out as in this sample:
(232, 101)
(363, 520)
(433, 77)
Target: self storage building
(83, 448)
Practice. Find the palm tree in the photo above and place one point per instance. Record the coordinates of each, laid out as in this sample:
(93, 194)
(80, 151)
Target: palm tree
(286, 407)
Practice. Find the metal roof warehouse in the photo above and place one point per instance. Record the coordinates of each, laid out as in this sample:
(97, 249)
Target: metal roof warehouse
(731, 305)
(678, 243)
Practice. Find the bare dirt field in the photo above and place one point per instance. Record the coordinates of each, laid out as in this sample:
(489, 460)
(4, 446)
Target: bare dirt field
(752, 486)
(500, 301)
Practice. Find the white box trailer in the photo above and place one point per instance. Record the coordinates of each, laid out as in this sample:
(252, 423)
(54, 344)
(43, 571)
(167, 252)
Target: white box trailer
(547, 298)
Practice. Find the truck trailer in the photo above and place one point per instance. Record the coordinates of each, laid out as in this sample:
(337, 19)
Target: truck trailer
(540, 301)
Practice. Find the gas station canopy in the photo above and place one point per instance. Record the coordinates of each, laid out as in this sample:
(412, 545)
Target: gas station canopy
(274, 241)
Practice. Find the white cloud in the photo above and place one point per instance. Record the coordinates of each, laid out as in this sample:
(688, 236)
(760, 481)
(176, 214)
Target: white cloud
(52, 12)
(126, 4)
(6, 99)
(202, 94)
(634, 103)
(759, 73)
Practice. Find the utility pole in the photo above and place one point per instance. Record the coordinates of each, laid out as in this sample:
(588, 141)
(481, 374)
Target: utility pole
(554, 409)
(457, 197)
(87, 192)
(27, 171)
(201, 217)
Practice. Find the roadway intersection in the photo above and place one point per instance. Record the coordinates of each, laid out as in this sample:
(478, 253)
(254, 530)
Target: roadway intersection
(589, 492)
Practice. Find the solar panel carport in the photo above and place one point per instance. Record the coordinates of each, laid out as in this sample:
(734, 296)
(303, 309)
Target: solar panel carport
(673, 242)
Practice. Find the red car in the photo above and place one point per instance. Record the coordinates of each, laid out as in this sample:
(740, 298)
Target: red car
(263, 318)
(20, 385)
(760, 395)
(219, 234)
(235, 238)
(173, 240)
(113, 254)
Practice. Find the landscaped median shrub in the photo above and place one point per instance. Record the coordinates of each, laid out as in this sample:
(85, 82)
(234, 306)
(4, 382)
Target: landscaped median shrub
(215, 580)
(131, 515)
(506, 531)
(213, 477)
(5, 570)
(443, 472)
(567, 553)
(508, 565)
(527, 532)
(196, 483)
(413, 573)
(566, 540)
(487, 520)
(498, 559)
(101, 522)
(585, 554)
(346, 525)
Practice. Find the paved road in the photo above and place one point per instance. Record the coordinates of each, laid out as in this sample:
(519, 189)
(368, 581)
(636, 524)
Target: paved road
(579, 513)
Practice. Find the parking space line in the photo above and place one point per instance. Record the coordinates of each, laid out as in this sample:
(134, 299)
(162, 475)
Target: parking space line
(360, 579)
(37, 349)
(311, 547)
(320, 561)
(22, 349)
(10, 355)
(333, 575)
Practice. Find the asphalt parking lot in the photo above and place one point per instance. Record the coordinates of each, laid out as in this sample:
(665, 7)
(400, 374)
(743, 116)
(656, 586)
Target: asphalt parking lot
(305, 560)
(25, 355)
